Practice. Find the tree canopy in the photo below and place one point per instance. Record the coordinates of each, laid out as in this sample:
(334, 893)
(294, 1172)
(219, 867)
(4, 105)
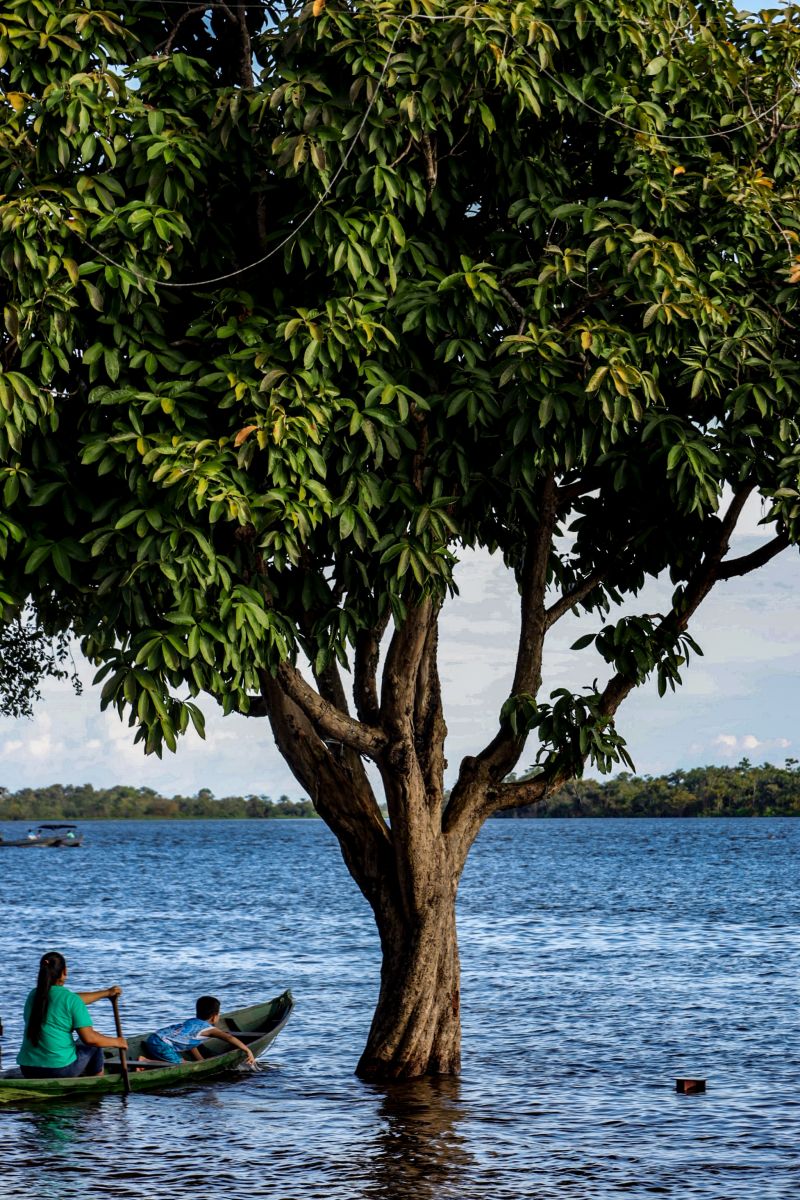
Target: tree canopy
(299, 304)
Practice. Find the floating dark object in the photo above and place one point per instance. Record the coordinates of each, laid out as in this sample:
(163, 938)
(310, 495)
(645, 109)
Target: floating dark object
(690, 1087)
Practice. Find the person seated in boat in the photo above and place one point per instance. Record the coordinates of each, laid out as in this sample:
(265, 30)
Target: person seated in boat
(185, 1037)
(52, 1014)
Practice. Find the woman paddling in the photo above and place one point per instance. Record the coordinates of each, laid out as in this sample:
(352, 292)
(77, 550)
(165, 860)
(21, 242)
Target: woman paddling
(52, 1012)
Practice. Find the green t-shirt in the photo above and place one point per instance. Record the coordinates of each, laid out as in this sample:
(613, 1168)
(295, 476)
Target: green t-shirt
(65, 1012)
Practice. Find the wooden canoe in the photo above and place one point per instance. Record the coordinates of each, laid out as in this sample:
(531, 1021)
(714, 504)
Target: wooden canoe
(256, 1026)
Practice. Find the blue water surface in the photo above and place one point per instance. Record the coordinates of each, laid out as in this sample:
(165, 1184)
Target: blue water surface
(601, 960)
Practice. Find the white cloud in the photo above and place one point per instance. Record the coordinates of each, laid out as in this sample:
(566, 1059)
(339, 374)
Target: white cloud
(730, 743)
(44, 747)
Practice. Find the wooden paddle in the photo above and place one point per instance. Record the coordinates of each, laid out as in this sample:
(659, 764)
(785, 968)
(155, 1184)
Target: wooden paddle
(123, 1054)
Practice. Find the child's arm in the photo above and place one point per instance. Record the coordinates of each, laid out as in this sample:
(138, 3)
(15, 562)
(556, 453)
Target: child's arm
(213, 1032)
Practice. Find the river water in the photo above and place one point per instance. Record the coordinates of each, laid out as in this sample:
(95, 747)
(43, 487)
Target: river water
(601, 960)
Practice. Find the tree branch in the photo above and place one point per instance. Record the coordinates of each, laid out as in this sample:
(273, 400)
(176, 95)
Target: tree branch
(415, 823)
(519, 793)
(345, 801)
(568, 601)
(502, 753)
(462, 815)
(365, 670)
(698, 587)
(193, 12)
(245, 48)
(749, 562)
(512, 795)
(403, 658)
(327, 718)
(430, 730)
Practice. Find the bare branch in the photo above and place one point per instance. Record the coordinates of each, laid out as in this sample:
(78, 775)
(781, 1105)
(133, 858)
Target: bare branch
(400, 670)
(750, 562)
(511, 795)
(328, 719)
(568, 601)
(431, 164)
(403, 763)
(430, 730)
(193, 12)
(518, 309)
(504, 750)
(330, 687)
(365, 670)
(695, 592)
(520, 792)
(344, 800)
(463, 816)
(245, 48)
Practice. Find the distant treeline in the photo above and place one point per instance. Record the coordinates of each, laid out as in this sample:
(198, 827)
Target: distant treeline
(83, 802)
(740, 791)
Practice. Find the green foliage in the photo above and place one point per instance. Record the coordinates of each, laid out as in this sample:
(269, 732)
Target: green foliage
(740, 791)
(285, 330)
(27, 656)
(83, 802)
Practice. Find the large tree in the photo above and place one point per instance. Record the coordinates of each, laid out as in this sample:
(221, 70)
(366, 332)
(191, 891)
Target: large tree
(300, 305)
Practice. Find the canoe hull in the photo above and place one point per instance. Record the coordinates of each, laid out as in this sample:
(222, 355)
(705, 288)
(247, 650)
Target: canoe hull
(260, 1024)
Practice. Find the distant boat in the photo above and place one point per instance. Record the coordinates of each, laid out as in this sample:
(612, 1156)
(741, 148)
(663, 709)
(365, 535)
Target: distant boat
(48, 835)
(256, 1026)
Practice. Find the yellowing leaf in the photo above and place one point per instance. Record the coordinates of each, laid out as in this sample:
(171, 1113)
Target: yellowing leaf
(16, 100)
(679, 171)
(318, 7)
(243, 434)
(586, 339)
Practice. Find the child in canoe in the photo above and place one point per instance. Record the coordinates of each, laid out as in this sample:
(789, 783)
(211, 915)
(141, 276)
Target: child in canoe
(173, 1041)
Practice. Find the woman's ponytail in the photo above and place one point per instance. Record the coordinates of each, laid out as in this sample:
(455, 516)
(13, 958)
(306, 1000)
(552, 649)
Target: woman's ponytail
(51, 968)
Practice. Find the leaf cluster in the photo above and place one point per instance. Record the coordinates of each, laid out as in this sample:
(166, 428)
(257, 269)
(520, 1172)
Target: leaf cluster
(287, 327)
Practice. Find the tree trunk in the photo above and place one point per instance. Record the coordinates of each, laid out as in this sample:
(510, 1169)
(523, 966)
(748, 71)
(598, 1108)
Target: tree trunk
(416, 1029)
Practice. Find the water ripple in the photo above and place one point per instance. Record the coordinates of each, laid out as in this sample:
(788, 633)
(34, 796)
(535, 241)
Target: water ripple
(601, 960)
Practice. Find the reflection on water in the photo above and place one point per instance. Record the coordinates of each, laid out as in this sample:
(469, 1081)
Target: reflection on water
(601, 960)
(418, 1149)
(58, 1126)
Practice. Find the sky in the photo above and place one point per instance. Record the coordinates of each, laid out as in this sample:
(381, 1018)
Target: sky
(741, 699)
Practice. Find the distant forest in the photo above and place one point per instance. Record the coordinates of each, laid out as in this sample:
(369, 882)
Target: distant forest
(740, 791)
(76, 802)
